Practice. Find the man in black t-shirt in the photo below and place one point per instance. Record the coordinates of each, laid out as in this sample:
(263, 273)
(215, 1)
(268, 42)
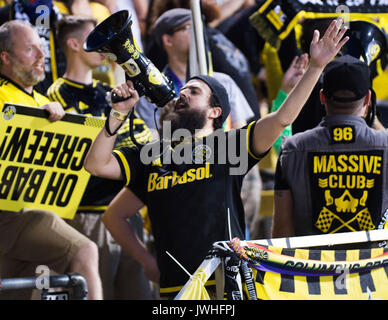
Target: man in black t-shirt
(191, 179)
(189, 202)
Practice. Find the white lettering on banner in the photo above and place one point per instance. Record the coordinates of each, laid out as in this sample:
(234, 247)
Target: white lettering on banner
(318, 2)
(333, 3)
(354, 3)
(349, 3)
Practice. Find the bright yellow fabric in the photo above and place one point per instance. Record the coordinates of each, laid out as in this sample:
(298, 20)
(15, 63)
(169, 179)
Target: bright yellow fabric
(12, 94)
(196, 289)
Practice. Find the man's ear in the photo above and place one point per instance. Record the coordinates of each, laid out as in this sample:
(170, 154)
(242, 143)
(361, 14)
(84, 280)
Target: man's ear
(367, 103)
(166, 40)
(73, 44)
(215, 112)
(368, 98)
(322, 97)
(5, 58)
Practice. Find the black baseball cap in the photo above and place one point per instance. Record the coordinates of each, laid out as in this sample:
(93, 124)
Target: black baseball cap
(346, 73)
(219, 92)
(168, 21)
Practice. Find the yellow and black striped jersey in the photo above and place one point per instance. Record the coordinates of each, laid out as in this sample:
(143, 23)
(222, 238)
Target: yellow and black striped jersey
(75, 97)
(90, 99)
(13, 93)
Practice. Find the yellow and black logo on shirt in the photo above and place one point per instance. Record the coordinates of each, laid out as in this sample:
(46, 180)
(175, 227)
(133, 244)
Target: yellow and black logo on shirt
(342, 134)
(346, 189)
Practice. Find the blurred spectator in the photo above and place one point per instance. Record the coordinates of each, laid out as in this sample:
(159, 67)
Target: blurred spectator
(138, 10)
(36, 237)
(4, 2)
(105, 71)
(44, 22)
(225, 57)
(78, 92)
(76, 7)
(83, 8)
(172, 33)
(227, 10)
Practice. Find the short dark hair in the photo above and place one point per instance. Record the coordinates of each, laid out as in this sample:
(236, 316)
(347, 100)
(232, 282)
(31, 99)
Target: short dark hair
(69, 26)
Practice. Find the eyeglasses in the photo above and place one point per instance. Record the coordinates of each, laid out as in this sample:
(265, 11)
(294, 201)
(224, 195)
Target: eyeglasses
(186, 27)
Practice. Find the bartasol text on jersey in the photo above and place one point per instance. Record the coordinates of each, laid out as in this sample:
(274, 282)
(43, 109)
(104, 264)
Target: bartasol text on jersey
(198, 310)
(156, 182)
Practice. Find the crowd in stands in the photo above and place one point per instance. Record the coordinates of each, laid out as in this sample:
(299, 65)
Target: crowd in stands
(112, 241)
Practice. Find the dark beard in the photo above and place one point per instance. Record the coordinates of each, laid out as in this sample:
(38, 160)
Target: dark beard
(190, 120)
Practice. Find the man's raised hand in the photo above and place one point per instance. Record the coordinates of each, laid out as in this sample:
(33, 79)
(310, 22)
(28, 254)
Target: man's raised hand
(126, 90)
(323, 50)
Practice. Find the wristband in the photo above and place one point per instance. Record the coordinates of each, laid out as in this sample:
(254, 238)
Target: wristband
(115, 114)
(118, 115)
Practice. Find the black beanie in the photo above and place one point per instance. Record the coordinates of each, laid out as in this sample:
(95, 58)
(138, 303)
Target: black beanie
(219, 92)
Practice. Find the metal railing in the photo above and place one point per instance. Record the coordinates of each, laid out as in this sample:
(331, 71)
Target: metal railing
(70, 280)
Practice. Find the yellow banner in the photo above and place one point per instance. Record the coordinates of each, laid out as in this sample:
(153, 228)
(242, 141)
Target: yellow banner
(41, 162)
(367, 285)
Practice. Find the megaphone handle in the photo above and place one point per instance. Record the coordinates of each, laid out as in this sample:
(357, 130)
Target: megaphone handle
(116, 98)
(137, 83)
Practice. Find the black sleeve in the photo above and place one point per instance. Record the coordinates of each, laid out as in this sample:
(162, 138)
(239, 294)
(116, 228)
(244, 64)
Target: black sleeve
(243, 139)
(280, 182)
(132, 170)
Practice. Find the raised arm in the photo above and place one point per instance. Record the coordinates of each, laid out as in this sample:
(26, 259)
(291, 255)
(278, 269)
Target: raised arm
(100, 161)
(322, 51)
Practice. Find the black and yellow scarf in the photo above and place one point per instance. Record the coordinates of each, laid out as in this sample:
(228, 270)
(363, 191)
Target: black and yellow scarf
(275, 19)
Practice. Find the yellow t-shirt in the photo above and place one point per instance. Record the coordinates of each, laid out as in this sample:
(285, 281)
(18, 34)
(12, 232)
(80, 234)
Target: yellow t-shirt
(12, 93)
